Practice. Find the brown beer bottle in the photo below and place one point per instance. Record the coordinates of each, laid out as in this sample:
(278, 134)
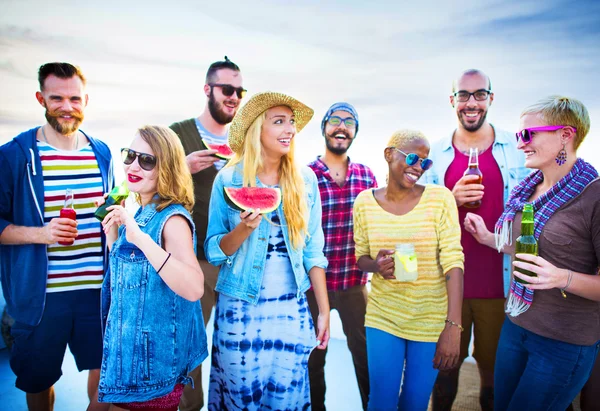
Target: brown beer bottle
(473, 170)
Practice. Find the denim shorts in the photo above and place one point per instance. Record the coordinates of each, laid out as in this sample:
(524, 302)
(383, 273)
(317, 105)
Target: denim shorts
(70, 318)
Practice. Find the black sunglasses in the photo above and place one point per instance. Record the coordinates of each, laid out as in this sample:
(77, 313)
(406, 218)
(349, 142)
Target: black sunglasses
(228, 90)
(146, 161)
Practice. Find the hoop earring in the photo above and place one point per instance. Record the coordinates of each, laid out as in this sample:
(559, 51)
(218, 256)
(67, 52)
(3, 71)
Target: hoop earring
(561, 157)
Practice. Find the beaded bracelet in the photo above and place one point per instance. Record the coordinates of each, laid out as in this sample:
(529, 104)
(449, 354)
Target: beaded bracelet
(163, 264)
(460, 327)
(562, 290)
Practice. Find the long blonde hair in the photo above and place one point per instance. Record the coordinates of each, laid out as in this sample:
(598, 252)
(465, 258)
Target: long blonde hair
(174, 182)
(290, 180)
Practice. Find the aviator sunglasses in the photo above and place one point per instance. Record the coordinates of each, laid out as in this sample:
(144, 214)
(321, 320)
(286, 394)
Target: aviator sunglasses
(412, 159)
(146, 161)
(228, 90)
(527, 133)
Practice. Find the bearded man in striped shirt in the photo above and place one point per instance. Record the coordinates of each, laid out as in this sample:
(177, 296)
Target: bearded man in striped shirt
(53, 267)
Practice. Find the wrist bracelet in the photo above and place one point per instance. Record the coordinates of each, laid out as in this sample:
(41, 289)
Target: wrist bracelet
(449, 321)
(163, 264)
(562, 290)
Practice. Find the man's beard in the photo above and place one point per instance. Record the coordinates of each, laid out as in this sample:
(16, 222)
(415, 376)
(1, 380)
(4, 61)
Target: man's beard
(216, 111)
(472, 127)
(330, 139)
(64, 129)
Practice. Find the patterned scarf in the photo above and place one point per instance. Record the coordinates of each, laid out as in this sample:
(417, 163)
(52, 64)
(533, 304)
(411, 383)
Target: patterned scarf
(569, 187)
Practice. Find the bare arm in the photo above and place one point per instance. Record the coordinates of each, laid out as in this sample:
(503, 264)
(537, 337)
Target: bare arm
(232, 241)
(317, 279)
(464, 191)
(383, 264)
(58, 229)
(181, 272)
(200, 160)
(550, 276)
(475, 225)
(448, 346)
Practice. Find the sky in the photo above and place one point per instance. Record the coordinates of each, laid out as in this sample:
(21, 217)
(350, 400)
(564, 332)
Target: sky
(145, 61)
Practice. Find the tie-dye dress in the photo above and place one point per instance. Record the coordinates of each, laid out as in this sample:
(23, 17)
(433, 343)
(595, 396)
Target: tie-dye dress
(260, 352)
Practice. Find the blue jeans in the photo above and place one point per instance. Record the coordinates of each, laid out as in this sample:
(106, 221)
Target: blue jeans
(386, 356)
(538, 373)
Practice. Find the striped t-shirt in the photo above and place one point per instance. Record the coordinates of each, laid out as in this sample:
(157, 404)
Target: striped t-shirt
(212, 139)
(80, 265)
(411, 310)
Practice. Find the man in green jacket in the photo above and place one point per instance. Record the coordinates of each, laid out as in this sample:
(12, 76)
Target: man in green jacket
(224, 92)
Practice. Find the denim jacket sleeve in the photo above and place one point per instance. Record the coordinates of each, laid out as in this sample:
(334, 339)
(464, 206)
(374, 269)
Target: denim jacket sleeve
(218, 224)
(315, 240)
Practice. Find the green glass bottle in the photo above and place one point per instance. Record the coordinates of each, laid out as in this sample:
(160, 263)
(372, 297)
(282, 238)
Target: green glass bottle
(116, 195)
(526, 243)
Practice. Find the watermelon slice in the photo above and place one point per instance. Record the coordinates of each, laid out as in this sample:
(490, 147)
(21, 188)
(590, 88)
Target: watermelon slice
(223, 150)
(252, 198)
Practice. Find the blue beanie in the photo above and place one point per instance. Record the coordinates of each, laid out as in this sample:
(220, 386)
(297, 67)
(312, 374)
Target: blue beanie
(341, 106)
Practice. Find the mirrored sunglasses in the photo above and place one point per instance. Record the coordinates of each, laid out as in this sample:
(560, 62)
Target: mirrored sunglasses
(146, 161)
(228, 90)
(335, 121)
(412, 159)
(527, 133)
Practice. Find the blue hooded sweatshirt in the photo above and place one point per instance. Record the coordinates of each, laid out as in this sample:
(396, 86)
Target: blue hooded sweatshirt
(24, 267)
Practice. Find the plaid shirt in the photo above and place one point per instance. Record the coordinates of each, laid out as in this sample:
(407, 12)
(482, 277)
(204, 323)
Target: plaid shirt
(342, 272)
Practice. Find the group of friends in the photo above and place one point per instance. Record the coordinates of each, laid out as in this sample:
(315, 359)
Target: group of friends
(123, 292)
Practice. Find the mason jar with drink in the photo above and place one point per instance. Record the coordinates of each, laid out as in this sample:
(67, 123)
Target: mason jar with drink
(473, 170)
(405, 263)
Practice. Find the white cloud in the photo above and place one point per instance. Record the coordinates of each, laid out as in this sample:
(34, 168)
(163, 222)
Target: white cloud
(146, 61)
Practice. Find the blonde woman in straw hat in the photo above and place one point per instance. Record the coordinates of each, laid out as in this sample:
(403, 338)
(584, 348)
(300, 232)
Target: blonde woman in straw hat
(264, 333)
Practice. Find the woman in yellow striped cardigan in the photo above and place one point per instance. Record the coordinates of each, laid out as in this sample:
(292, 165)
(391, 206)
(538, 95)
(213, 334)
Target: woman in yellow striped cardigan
(413, 327)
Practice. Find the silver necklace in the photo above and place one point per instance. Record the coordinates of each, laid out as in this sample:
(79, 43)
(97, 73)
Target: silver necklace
(46, 139)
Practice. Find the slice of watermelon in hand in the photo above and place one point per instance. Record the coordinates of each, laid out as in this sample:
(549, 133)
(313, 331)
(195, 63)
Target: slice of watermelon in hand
(253, 198)
(223, 150)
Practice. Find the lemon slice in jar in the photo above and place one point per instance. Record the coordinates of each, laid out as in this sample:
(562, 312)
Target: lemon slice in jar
(409, 262)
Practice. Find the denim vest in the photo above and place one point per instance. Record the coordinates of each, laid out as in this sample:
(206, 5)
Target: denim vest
(510, 160)
(153, 338)
(241, 274)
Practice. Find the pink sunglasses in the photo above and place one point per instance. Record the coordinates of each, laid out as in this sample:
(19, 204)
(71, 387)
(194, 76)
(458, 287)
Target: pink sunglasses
(526, 134)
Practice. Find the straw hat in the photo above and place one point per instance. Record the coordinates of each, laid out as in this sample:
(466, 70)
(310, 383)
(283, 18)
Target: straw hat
(258, 104)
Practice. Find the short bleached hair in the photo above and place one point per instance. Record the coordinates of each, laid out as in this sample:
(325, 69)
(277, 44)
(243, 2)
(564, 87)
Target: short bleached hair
(405, 136)
(562, 111)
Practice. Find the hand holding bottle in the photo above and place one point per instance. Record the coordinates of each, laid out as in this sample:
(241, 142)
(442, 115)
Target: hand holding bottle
(546, 275)
(60, 230)
(475, 179)
(467, 190)
(116, 196)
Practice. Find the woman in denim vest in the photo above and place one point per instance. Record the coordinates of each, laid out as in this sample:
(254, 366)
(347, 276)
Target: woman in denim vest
(264, 332)
(154, 333)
